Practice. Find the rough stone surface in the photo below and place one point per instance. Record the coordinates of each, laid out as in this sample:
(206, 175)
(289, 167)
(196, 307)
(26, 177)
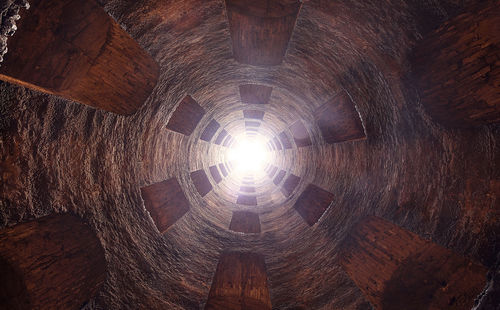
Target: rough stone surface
(440, 183)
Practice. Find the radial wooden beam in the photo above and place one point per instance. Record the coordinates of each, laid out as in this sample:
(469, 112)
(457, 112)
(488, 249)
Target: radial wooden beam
(457, 68)
(165, 202)
(396, 269)
(74, 49)
(339, 121)
(240, 283)
(54, 262)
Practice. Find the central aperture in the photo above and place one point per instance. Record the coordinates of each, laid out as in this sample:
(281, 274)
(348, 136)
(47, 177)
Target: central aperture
(249, 155)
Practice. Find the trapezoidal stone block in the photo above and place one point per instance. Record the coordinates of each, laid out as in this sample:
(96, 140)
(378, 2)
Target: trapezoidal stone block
(240, 283)
(339, 121)
(260, 29)
(54, 262)
(75, 50)
(279, 177)
(290, 184)
(300, 134)
(457, 68)
(255, 94)
(247, 200)
(210, 131)
(285, 140)
(253, 114)
(312, 203)
(245, 222)
(201, 182)
(396, 269)
(165, 202)
(186, 116)
(215, 174)
(220, 137)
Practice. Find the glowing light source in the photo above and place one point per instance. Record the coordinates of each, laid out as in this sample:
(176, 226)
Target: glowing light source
(249, 155)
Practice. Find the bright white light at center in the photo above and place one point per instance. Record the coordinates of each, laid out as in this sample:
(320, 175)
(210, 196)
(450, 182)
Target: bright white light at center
(249, 156)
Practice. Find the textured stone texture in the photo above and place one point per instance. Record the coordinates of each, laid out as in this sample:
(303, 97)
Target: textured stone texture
(396, 269)
(440, 183)
(255, 94)
(81, 54)
(210, 130)
(186, 116)
(55, 262)
(245, 222)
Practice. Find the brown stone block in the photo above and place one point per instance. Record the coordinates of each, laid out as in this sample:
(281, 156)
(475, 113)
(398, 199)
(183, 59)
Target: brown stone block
(186, 117)
(339, 121)
(220, 137)
(255, 94)
(312, 203)
(285, 140)
(457, 68)
(54, 262)
(290, 184)
(253, 114)
(74, 49)
(396, 269)
(165, 202)
(279, 177)
(215, 174)
(245, 222)
(201, 182)
(246, 200)
(300, 134)
(210, 130)
(240, 283)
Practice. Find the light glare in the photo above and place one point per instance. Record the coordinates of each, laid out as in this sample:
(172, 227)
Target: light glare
(249, 156)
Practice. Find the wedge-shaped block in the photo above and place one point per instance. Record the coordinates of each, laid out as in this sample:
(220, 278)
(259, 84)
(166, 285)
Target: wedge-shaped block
(339, 121)
(201, 182)
(290, 184)
(300, 134)
(285, 140)
(165, 202)
(246, 200)
(260, 29)
(220, 137)
(253, 114)
(74, 49)
(312, 203)
(210, 131)
(245, 222)
(279, 177)
(240, 282)
(255, 94)
(186, 117)
(215, 174)
(396, 269)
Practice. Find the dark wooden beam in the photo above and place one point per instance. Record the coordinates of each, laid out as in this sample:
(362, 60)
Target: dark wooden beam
(240, 283)
(75, 50)
(165, 202)
(186, 116)
(201, 182)
(245, 222)
(255, 94)
(312, 203)
(260, 29)
(339, 121)
(396, 269)
(457, 68)
(54, 262)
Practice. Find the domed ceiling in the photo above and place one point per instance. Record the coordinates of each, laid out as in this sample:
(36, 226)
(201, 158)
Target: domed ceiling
(273, 129)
